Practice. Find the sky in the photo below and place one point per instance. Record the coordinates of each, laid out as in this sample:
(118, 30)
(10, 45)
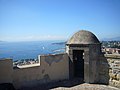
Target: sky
(32, 20)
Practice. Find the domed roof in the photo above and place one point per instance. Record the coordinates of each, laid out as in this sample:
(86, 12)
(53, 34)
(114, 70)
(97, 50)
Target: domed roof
(83, 37)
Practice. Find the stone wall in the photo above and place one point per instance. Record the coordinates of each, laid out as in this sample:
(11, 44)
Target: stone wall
(94, 52)
(56, 67)
(6, 70)
(114, 69)
(109, 72)
(50, 69)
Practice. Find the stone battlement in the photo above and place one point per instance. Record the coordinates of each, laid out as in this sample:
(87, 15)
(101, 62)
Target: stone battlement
(50, 69)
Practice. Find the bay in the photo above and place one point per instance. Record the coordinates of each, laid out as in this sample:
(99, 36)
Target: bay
(30, 49)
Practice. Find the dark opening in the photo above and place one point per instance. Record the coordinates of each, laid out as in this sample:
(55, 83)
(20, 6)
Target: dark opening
(78, 63)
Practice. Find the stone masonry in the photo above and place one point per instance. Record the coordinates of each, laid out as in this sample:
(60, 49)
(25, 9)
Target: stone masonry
(109, 71)
(114, 69)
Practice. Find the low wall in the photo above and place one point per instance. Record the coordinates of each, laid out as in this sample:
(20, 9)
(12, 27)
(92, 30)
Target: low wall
(51, 68)
(114, 69)
(54, 68)
(6, 71)
(109, 72)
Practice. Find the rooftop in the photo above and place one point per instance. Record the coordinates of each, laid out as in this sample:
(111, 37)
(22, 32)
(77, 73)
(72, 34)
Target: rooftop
(83, 37)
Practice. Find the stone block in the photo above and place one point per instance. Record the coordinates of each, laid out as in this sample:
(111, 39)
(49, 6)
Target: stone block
(117, 62)
(110, 70)
(111, 65)
(113, 76)
(115, 71)
(118, 76)
(116, 83)
(111, 61)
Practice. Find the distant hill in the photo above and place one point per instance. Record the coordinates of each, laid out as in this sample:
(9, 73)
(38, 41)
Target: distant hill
(111, 39)
(60, 43)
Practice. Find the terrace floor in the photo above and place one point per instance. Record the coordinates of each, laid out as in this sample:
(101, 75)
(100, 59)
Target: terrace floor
(74, 84)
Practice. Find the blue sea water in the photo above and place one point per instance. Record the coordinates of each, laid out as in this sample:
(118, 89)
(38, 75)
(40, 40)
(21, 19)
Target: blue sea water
(30, 49)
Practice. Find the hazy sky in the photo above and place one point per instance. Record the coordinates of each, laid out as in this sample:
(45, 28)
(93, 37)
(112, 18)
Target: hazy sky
(22, 20)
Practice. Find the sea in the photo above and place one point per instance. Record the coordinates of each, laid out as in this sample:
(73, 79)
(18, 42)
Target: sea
(30, 49)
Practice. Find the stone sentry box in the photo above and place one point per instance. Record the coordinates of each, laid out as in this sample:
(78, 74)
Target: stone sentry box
(83, 49)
